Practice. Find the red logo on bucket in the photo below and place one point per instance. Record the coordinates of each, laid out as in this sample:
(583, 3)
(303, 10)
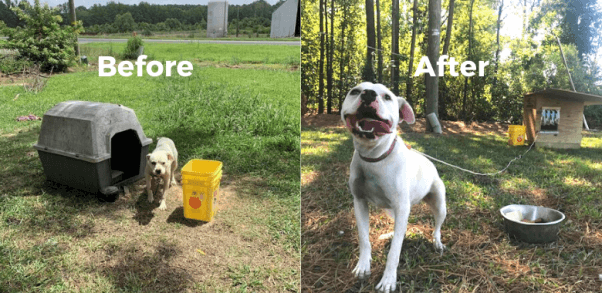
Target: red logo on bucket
(519, 139)
(194, 202)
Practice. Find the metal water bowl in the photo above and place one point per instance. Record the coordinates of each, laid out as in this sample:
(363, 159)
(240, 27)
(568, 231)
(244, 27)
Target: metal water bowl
(544, 232)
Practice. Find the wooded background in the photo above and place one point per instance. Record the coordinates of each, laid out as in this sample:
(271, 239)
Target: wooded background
(117, 17)
(335, 44)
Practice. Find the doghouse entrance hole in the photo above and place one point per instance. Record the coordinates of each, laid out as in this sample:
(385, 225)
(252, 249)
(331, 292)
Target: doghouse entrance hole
(125, 155)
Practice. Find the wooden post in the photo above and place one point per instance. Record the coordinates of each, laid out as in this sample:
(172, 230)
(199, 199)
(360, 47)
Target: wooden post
(73, 20)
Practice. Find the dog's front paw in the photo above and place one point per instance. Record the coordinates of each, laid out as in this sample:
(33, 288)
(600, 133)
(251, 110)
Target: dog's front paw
(362, 269)
(150, 197)
(439, 247)
(163, 206)
(387, 283)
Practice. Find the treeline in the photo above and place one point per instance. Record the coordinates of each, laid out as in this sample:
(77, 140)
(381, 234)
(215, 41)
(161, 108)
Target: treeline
(335, 49)
(8, 16)
(117, 17)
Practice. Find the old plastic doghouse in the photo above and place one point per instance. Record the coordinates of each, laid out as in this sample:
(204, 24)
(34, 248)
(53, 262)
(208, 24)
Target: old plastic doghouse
(92, 146)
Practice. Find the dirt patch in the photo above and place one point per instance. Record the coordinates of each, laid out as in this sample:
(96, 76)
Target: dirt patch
(257, 66)
(13, 79)
(166, 252)
(449, 127)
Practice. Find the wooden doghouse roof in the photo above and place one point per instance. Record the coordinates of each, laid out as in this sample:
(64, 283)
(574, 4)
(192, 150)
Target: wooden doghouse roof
(588, 99)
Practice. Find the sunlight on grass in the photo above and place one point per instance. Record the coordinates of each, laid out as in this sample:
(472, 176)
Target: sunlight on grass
(516, 183)
(316, 147)
(577, 182)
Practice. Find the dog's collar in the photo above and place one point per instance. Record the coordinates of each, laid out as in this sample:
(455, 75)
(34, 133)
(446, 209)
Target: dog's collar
(382, 157)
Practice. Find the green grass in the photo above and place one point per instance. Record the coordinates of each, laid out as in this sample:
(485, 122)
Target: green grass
(246, 118)
(263, 54)
(567, 180)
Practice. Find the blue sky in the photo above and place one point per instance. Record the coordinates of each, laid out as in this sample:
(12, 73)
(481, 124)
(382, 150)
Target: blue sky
(89, 3)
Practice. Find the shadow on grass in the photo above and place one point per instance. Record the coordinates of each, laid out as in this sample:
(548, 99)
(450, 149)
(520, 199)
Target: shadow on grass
(144, 210)
(177, 216)
(326, 210)
(149, 270)
(21, 172)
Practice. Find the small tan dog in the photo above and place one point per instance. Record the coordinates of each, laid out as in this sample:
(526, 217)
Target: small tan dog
(161, 163)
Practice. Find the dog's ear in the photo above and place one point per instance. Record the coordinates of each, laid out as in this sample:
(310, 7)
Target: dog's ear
(170, 157)
(148, 157)
(405, 111)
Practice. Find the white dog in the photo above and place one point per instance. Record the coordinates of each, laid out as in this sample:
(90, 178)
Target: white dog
(161, 163)
(383, 171)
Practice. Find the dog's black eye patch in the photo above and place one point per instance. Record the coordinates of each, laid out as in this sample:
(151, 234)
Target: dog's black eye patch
(355, 92)
(387, 97)
(154, 163)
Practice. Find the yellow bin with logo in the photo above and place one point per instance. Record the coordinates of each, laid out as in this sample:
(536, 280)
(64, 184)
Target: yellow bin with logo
(516, 135)
(200, 188)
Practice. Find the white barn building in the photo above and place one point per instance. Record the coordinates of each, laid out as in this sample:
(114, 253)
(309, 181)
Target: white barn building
(286, 20)
(217, 19)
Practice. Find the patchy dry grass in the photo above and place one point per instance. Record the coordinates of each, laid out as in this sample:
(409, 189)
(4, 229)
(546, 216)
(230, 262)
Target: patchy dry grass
(55, 238)
(481, 257)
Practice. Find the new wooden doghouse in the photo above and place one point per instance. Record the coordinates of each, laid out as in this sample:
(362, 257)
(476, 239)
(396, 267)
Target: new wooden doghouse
(558, 117)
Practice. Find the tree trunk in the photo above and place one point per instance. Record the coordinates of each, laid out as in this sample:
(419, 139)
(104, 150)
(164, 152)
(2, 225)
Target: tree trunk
(237, 19)
(73, 20)
(379, 44)
(342, 58)
(432, 51)
(464, 114)
(497, 52)
(321, 72)
(448, 31)
(443, 93)
(524, 18)
(395, 46)
(368, 72)
(412, 49)
(331, 57)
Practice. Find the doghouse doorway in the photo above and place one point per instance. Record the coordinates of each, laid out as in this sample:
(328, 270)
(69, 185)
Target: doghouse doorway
(125, 155)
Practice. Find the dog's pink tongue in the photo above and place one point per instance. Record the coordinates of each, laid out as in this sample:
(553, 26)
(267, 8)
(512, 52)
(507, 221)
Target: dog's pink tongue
(379, 126)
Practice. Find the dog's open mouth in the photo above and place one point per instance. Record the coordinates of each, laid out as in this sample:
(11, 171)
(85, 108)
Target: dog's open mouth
(367, 125)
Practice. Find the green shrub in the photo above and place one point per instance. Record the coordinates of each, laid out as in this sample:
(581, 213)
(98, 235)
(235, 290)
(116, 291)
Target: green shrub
(131, 49)
(42, 41)
(593, 114)
(12, 64)
(147, 32)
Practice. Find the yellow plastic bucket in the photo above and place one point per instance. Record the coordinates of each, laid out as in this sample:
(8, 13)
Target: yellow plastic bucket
(200, 188)
(516, 135)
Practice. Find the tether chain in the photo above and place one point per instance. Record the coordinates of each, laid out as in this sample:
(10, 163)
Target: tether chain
(477, 173)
